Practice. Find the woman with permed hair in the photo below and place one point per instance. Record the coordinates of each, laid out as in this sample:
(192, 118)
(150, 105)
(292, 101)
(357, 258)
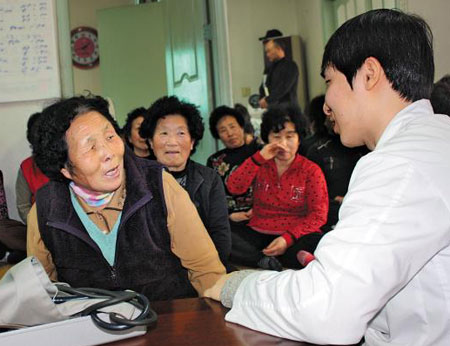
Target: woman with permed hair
(227, 124)
(174, 128)
(131, 133)
(108, 219)
(290, 199)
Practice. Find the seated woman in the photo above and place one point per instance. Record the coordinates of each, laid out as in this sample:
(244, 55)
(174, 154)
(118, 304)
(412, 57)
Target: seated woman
(336, 160)
(29, 178)
(227, 124)
(290, 199)
(174, 129)
(131, 133)
(108, 219)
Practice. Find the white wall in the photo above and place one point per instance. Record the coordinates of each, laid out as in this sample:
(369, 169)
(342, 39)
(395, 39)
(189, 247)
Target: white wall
(309, 14)
(14, 146)
(247, 21)
(436, 13)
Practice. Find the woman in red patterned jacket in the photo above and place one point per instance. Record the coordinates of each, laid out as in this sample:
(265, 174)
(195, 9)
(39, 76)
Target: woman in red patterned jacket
(290, 198)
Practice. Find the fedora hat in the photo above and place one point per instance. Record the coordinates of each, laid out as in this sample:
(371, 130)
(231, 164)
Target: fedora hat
(272, 33)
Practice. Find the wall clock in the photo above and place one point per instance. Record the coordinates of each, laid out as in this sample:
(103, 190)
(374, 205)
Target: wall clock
(84, 43)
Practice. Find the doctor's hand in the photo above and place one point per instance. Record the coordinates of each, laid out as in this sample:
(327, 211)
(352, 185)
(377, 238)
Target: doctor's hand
(276, 248)
(214, 291)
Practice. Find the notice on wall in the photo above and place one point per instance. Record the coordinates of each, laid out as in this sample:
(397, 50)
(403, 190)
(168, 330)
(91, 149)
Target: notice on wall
(28, 51)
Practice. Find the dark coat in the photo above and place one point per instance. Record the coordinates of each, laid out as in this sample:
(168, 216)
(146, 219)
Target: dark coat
(143, 261)
(206, 190)
(282, 80)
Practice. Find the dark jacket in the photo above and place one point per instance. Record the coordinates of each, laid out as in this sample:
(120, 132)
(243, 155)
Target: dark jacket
(208, 194)
(143, 261)
(282, 80)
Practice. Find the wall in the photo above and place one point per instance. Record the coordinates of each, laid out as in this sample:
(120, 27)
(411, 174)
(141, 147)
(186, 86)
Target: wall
(309, 14)
(436, 13)
(250, 19)
(247, 21)
(14, 146)
(84, 13)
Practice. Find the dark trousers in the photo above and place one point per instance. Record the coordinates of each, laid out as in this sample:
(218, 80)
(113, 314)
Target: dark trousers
(13, 234)
(247, 245)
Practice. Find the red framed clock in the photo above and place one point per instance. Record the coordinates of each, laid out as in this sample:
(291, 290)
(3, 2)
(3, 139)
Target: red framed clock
(84, 43)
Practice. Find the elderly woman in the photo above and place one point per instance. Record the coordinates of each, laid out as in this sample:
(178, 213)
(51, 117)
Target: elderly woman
(108, 219)
(174, 128)
(227, 124)
(131, 133)
(290, 199)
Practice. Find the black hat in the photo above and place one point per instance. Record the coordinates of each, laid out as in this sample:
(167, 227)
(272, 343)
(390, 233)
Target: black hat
(271, 34)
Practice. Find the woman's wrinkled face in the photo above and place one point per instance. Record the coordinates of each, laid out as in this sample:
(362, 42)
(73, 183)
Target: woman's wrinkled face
(172, 142)
(230, 132)
(95, 153)
(137, 141)
(290, 140)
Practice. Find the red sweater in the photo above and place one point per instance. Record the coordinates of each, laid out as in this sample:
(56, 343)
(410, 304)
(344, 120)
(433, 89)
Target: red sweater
(33, 175)
(293, 205)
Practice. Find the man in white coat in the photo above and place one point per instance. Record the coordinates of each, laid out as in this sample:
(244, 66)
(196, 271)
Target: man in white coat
(384, 272)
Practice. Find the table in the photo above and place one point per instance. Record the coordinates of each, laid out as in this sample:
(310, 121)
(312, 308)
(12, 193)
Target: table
(199, 321)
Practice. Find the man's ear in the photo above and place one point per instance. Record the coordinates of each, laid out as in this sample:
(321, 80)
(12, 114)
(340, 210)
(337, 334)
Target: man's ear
(373, 72)
(192, 144)
(150, 143)
(65, 172)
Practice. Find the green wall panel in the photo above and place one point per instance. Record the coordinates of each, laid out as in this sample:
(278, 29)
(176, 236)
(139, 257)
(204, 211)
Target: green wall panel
(132, 42)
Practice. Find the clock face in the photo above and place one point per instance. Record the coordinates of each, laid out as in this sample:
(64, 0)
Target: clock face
(84, 44)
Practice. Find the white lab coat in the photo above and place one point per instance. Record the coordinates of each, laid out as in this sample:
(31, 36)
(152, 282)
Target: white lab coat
(384, 272)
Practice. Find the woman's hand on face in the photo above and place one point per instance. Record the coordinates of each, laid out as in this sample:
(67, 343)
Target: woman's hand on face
(276, 248)
(241, 216)
(271, 150)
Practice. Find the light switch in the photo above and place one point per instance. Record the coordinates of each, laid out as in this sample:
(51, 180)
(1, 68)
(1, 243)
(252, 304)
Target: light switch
(245, 91)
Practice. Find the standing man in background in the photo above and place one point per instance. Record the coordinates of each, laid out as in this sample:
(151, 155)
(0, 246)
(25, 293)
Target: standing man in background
(281, 76)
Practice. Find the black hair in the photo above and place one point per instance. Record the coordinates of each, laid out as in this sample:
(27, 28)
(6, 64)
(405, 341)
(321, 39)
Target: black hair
(221, 112)
(276, 117)
(317, 116)
(50, 149)
(171, 105)
(401, 42)
(31, 128)
(126, 130)
(248, 127)
(440, 96)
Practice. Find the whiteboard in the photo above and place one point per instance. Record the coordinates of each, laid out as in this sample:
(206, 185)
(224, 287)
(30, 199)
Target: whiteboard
(28, 51)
